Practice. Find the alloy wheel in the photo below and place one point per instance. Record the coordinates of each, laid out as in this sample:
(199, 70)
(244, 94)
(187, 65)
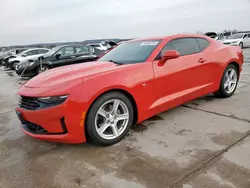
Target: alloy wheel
(43, 69)
(230, 80)
(112, 119)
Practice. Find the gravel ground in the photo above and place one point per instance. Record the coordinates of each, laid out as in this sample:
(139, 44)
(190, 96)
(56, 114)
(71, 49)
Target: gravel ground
(204, 143)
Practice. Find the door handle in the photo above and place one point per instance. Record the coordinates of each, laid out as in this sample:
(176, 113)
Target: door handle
(201, 60)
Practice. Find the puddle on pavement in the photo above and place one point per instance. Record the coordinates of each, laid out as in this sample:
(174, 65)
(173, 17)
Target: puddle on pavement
(223, 174)
(227, 139)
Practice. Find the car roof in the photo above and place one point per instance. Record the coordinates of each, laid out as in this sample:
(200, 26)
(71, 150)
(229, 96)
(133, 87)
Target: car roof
(171, 37)
(66, 45)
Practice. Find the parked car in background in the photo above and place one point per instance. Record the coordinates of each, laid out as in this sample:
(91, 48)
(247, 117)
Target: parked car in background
(5, 56)
(239, 39)
(136, 80)
(25, 56)
(212, 35)
(57, 57)
(99, 46)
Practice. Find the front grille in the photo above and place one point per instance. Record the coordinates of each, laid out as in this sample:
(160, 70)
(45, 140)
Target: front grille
(226, 42)
(29, 103)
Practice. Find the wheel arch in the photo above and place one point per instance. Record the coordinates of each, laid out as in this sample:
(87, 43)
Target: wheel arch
(236, 65)
(123, 91)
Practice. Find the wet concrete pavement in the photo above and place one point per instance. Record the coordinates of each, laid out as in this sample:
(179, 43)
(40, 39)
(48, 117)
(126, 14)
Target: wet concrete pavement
(204, 143)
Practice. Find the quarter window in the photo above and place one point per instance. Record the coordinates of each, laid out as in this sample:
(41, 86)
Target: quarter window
(185, 46)
(203, 43)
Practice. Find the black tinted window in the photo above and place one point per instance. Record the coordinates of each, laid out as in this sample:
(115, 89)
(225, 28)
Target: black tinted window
(203, 43)
(184, 46)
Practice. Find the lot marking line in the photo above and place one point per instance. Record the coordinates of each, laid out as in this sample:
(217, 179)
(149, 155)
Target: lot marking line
(208, 162)
(216, 113)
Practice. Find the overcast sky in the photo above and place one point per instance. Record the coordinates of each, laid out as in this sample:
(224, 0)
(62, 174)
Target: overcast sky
(39, 21)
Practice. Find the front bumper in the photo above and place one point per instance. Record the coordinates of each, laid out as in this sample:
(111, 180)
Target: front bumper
(56, 124)
(62, 122)
(29, 71)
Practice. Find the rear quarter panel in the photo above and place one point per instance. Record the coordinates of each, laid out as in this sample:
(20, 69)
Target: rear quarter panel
(223, 55)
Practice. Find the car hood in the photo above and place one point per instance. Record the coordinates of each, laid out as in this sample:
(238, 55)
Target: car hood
(68, 74)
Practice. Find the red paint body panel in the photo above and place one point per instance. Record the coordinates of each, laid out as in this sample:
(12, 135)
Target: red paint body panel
(154, 87)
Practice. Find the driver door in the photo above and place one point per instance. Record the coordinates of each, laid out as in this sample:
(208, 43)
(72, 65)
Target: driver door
(181, 79)
(65, 56)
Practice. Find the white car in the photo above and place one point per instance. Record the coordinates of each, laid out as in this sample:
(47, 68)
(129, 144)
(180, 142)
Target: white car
(99, 46)
(239, 39)
(30, 54)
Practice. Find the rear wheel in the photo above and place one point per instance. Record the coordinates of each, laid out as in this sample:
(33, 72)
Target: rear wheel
(109, 119)
(42, 69)
(228, 82)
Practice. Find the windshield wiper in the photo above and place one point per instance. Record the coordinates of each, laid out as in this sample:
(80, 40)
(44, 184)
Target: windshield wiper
(118, 63)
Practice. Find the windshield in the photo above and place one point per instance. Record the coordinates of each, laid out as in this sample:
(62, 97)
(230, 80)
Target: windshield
(236, 36)
(131, 52)
(53, 50)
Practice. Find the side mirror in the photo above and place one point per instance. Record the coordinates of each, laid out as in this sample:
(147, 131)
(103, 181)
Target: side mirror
(169, 54)
(58, 56)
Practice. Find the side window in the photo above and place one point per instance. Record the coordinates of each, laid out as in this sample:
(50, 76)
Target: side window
(185, 46)
(31, 52)
(91, 49)
(66, 51)
(248, 35)
(82, 50)
(42, 51)
(245, 36)
(203, 43)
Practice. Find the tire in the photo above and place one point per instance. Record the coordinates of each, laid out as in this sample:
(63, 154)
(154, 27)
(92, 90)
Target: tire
(14, 65)
(95, 120)
(44, 68)
(241, 45)
(225, 92)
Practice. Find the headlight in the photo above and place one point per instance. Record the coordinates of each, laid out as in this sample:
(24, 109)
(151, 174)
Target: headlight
(31, 63)
(53, 99)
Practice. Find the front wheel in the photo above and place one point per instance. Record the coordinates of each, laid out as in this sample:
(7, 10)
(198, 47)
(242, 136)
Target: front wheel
(228, 82)
(241, 45)
(109, 118)
(14, 65)
(42, 69)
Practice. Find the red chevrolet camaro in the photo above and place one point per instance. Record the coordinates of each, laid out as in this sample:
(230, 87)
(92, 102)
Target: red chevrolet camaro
(100, 101)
